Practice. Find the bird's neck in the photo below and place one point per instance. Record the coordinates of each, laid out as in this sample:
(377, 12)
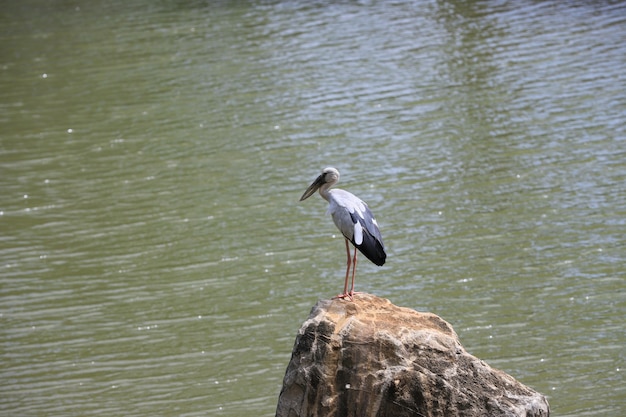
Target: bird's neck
(325, 191)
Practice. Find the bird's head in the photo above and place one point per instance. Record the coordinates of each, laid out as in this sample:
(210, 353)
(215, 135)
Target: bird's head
(328, 176)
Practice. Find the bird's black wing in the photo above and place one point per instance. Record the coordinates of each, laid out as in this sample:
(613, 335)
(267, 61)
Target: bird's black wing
(372, 245)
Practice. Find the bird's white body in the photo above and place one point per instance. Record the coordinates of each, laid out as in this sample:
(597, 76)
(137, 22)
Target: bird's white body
(340, 201)
(356, 222)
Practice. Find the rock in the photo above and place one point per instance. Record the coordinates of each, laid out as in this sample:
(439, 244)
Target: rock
(371, 358)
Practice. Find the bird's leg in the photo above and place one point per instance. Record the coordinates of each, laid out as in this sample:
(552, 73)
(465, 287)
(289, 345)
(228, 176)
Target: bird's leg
(349, 263)
(345, 293)
(353, 273)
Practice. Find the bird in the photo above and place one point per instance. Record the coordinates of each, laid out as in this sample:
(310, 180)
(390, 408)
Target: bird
(354, 219)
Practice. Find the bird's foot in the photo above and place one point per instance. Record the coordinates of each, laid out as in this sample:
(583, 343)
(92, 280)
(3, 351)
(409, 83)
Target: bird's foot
(347, 295)
(344, 296)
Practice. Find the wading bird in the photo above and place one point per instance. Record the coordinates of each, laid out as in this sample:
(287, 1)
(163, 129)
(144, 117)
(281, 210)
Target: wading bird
(355, 221)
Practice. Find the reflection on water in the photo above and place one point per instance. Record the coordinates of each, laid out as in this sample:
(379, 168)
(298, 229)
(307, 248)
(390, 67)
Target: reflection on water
(155, 258)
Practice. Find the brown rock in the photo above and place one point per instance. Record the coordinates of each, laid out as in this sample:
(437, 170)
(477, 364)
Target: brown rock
(371, 358)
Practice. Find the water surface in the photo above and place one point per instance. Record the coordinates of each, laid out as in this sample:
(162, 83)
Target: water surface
(155, 259)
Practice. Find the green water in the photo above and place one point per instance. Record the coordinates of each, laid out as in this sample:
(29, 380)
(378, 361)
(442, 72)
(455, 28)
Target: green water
(155, 258)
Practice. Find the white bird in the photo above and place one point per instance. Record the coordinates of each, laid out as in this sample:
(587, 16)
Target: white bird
(354, 219)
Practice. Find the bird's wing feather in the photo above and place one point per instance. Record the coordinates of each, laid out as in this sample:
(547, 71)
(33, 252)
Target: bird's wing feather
(371, 244)
(356, 222)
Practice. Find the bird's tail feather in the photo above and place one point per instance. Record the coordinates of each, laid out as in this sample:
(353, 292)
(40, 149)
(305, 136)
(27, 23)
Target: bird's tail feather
(372, 248)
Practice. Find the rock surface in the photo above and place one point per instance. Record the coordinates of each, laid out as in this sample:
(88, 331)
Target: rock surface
(371, 358)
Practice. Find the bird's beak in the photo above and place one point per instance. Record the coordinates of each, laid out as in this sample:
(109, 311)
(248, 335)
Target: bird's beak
(319, 181)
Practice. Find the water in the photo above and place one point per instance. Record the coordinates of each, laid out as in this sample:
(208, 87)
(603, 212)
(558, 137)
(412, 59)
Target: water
(155, 259)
